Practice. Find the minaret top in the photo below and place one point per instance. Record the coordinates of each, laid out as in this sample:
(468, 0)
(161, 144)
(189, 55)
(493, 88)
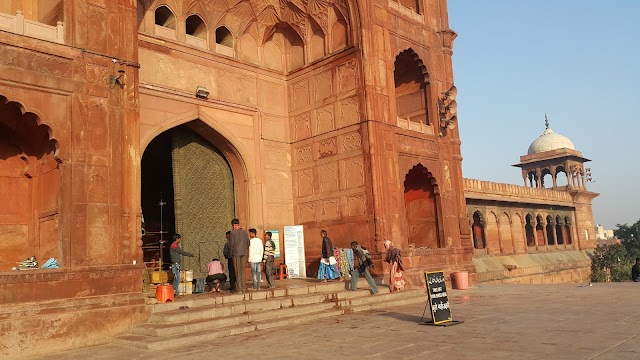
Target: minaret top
(546, 120)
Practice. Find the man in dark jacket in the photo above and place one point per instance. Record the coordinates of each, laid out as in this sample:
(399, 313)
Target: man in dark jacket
(635, 271)
(239, 242)
(176, 253)
(227, 255)
(364, 262)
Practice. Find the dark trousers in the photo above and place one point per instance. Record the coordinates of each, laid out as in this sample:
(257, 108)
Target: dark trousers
(268, 270)
(232, 275)
(239, 263)
(222, 278)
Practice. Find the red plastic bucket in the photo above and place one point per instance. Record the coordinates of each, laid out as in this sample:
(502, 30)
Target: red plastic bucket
(461, 280)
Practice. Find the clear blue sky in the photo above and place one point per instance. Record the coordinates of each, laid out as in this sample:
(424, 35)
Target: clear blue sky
(577, 60)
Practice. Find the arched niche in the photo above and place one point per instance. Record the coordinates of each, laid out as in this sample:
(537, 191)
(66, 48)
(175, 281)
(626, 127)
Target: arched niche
(29, 187)
(540, 231)
(164, 17)
(529, 230)
(284, 49)
(479, 241)
(224, 37)
(339, 32)
(551, 239)
(196, 27)
(412, 88)
(422, 208)
(317, 41)
(559, 230)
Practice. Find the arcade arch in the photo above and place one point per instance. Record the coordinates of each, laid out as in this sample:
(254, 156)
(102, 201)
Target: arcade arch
(29, 187)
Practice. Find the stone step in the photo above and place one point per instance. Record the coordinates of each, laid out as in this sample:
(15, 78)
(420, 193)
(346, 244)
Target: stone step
(386, 304)
(169, 329)
(207, 299)
(213, 310)
(145, 342)
(349, 301)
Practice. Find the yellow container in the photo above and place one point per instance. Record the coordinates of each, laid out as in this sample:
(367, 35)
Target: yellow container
(186, 276)
(186, 288)
(159, 277)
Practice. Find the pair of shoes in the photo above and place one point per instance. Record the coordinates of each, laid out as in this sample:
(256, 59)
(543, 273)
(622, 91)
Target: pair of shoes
(29, 263)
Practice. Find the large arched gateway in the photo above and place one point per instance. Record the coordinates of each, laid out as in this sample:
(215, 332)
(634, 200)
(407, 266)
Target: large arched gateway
(187, 188)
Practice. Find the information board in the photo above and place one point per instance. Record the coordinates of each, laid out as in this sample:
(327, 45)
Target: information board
(294, 251)
(438, 299)
(275, 237)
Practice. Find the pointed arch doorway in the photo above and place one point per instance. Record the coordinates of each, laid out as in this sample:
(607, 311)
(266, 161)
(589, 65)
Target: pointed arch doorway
(194, 181)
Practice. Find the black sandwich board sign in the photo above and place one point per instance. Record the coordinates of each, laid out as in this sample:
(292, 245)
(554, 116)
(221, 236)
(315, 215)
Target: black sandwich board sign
(438, 299)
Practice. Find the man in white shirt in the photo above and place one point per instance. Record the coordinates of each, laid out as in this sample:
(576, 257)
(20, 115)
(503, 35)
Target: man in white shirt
(256, 251)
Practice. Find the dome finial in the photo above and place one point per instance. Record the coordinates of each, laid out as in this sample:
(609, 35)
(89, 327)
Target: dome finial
(546, 120)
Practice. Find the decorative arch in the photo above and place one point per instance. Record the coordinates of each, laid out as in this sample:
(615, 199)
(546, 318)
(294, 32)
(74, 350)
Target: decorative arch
(530, 233)
(551, 239)
(422, 208)
(540, 230)
(519, 238)
(506, 240)
(224, 36)
(412, 91)
(34, 116)
(165, 17)
(215, 131)
(317, 40)
(567, 229)
(195, 26)
(559, 230)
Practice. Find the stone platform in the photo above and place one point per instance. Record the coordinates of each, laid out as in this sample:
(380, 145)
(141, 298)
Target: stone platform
(556, 322)
(201, 318)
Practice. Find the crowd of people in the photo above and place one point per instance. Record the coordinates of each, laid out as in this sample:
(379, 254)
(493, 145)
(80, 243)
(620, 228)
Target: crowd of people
(243, 246)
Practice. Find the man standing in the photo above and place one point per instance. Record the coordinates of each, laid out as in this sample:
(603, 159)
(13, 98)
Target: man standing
(269, 253)
(176, 253)
(635, 271)
(364, 262)
(227, 255)
(239, 241)
(256, 253)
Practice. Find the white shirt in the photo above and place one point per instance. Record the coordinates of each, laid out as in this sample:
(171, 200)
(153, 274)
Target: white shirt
(256, 250)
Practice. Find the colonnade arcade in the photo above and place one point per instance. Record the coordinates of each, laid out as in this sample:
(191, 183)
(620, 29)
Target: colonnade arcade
(509, 232)
(574, 176)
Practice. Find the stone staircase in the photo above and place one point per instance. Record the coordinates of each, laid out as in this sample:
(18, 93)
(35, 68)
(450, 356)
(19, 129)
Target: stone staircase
(205, 317)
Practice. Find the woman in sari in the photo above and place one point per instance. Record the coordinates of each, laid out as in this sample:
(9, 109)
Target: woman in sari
(395, 260)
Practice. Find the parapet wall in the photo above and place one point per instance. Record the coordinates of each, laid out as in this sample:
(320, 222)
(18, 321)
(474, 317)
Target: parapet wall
(487, 190)
(538, 268)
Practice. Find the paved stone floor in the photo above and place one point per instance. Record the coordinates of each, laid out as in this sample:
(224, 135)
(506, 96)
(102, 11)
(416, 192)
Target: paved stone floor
(500, 322)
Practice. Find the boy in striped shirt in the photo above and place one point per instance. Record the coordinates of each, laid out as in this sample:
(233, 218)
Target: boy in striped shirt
(267, 260)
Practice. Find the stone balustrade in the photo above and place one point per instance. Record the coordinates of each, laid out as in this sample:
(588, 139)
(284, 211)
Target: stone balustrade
(19, 25)
(482, 189)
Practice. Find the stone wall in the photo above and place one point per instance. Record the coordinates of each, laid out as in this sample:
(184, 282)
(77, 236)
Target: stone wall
(541, 268)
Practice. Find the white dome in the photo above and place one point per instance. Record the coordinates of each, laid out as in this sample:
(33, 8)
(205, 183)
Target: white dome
(548, 141)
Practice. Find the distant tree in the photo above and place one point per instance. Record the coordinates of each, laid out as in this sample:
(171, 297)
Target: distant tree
(610, 263)
(630, 237)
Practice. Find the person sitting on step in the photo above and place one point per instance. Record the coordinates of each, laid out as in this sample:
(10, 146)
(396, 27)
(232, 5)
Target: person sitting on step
(216, 277)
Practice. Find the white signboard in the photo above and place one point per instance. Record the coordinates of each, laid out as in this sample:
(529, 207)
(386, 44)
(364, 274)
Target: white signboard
(294, 251)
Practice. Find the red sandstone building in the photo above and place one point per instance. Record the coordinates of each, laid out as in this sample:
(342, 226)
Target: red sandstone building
(332, 114)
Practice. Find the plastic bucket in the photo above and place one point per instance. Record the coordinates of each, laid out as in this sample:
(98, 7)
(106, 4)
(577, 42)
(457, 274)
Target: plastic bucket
(461, 280)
